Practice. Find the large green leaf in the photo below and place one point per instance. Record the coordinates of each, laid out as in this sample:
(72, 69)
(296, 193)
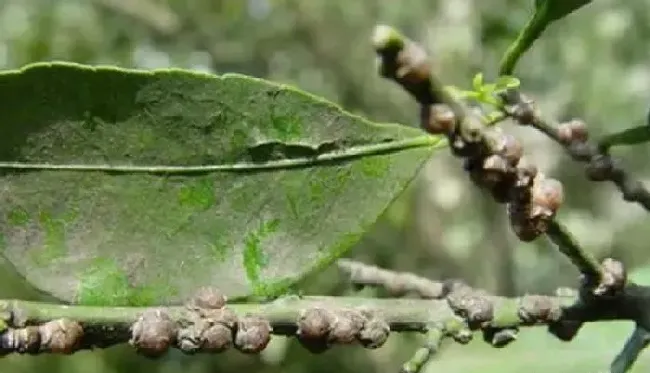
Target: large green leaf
(133, 187)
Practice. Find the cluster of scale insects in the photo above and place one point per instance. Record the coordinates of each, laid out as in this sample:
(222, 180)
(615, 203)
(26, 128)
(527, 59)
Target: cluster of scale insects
(495, 162)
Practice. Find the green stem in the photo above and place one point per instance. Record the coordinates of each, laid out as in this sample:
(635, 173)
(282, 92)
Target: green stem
(568, 246)
(400, 314)
(531, 32)
(415, 364)
(108, 326)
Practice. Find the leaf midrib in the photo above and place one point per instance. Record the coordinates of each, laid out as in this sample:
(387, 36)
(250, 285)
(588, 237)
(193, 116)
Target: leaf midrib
(348, 154)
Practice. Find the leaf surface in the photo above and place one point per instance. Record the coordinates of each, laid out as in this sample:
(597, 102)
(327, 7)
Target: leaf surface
(125, 187)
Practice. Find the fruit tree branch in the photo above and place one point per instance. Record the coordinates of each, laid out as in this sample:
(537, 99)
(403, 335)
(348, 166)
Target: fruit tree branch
(573, 137)
(494, 161)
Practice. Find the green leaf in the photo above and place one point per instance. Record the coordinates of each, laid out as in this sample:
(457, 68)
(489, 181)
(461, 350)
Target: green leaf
(461, 94)
(129, 187)
(487, 94)
(505, 82)
(630, 136)
(494, 117)
(545, 13)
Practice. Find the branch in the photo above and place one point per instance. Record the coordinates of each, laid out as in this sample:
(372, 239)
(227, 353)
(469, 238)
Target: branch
(495, 162)
(397, 284)
(568, 246)
(207, 324)
(573, 136)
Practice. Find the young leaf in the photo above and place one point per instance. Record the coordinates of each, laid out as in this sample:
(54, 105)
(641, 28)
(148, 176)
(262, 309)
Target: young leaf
(505, 82)
(128, 187)
(461, 94)
(545, 13)
(488, 88)
(494, 117)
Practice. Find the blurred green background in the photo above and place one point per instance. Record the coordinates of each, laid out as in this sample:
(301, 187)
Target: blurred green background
(595, 65)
